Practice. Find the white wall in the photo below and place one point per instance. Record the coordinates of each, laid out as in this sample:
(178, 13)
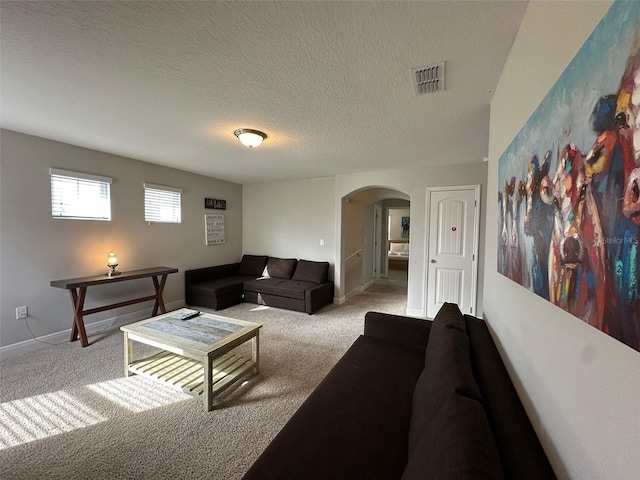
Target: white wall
(288, 219)
(353, 234)
(353, 227)
(35, 248)
(580, 386)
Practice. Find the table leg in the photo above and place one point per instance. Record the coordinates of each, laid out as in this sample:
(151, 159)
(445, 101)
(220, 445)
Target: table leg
(128, 354)
(77, 302)
(255, 352)
(208, 378)
(159, 287)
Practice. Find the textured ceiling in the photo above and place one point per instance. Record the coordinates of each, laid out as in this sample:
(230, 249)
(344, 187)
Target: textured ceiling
(329, 82)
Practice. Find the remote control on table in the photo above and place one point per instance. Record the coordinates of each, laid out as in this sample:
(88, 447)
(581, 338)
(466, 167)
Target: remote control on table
(188, 315)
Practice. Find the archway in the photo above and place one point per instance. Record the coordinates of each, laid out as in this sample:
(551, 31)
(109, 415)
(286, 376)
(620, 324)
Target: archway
(365, 238)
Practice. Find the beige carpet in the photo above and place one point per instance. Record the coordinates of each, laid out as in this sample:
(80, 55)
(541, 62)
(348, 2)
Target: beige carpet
(69, 413)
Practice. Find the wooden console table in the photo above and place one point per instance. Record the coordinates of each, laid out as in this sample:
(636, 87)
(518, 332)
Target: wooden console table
(78, 289)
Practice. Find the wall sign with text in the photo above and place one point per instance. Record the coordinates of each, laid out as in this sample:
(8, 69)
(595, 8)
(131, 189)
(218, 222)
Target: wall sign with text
(214, 229)
(215, 203)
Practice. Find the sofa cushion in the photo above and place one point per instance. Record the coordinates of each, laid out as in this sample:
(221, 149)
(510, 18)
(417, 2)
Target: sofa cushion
(511, 426)
(447, 368)
(278, 286)
(220, 286)
(308, 271)
(279, 267)
(355, 423)
(253, 265)
(459, 445)
(407, 331)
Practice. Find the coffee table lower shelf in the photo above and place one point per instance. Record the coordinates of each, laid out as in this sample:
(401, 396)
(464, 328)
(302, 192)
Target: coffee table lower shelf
(187, 375)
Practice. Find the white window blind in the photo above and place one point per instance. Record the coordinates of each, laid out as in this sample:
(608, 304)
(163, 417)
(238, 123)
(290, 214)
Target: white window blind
(162, 204)
(80, 195)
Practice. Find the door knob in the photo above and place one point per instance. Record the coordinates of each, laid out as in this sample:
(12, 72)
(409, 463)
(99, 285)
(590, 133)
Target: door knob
(433, 261)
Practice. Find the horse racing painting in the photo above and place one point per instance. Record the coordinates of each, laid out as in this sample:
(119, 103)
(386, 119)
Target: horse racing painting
(569, 185)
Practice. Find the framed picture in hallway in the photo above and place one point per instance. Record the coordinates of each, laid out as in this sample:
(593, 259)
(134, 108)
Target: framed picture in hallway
(404, 225)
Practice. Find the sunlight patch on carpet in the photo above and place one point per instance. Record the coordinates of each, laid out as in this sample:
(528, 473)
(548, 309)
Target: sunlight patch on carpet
(259, 308)
(137, 394)
(42, 416)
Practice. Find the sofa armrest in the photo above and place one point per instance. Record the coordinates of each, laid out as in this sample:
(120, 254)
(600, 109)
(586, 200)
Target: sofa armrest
(413, 332)
(317, 297)
(209, 273)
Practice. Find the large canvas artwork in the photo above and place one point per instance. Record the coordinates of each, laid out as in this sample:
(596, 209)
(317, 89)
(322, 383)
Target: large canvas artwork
(569, 185)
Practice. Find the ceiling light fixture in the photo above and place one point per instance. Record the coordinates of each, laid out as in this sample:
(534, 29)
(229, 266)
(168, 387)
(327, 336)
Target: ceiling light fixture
(250, 138)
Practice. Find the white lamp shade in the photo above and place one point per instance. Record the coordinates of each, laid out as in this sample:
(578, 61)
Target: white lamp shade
(250, 138)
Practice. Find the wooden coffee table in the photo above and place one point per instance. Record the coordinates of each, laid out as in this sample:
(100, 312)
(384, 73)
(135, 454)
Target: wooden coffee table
(196, 355)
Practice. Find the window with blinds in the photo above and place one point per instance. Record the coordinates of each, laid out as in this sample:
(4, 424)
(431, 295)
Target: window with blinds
(80, 196)
(162, 204)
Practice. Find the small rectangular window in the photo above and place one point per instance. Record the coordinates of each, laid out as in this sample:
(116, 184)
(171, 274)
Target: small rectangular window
(162, 204)
(80, 196)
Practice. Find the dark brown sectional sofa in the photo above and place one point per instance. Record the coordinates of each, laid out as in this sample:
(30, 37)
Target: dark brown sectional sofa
(300, 285)
(411, 399)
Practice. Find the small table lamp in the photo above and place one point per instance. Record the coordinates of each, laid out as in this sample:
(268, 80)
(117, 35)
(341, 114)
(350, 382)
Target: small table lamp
(112, 263)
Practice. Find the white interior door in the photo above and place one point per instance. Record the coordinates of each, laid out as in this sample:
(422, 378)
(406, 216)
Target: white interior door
(453, 247)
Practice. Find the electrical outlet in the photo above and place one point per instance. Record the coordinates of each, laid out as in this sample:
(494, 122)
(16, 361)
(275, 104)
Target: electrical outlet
(21, 312)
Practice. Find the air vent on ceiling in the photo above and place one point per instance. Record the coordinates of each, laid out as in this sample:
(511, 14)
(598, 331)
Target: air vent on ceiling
(429, 79)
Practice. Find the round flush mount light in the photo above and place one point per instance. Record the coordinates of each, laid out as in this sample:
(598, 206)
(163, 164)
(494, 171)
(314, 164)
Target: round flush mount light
(250, 138)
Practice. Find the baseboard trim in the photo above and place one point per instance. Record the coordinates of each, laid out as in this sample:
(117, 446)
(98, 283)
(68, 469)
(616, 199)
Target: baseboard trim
(94, 327)
(355, 291)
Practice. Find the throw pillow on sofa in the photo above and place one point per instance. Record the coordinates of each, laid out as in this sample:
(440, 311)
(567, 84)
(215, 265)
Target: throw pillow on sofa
(459, 445)
(314, 272)
(280, 267)
(447, 368)
(252, 265)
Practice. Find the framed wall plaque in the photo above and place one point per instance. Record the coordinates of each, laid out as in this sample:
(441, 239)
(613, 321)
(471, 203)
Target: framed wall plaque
(214, 229)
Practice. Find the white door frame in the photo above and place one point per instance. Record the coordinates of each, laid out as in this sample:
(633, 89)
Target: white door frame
(476, 234)
(377, 239)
